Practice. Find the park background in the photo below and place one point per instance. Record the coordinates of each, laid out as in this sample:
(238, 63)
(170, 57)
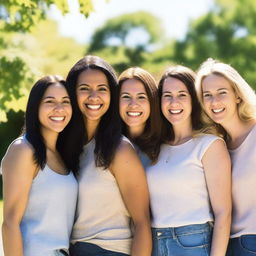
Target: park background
(40, 37)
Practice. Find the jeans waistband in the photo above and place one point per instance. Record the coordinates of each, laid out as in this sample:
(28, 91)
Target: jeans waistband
(182, 230)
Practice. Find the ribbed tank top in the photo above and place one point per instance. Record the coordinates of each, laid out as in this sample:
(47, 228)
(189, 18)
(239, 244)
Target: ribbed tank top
(102, 217)
(47, 223)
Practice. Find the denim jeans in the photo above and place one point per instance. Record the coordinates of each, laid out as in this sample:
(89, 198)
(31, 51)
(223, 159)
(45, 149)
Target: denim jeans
(88, 249)
(244, 245)
(190, 240)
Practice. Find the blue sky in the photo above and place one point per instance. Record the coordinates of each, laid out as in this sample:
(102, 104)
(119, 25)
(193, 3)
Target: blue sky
(175, 15)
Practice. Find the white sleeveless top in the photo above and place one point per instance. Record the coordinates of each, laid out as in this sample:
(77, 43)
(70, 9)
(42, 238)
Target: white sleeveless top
(244, 186)
(177, 186)
(47, 223)
(102, 217)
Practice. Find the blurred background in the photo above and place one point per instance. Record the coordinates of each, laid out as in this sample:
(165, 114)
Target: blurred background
(39, 37)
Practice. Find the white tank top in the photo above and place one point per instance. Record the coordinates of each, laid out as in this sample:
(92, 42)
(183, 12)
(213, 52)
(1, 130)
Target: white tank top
(47, 223)
(244, 186)
(102, 217)
(177, 186)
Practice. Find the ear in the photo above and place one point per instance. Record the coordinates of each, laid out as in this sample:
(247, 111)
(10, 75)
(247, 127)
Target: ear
(238, 100)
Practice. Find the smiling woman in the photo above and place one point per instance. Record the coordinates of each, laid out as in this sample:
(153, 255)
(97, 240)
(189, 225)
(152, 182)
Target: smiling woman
(39, 188)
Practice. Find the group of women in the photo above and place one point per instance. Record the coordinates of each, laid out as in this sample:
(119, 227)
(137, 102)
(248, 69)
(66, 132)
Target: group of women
(115, 167)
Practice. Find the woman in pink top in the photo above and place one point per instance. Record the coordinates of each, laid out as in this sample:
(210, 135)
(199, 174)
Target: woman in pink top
(231, 103)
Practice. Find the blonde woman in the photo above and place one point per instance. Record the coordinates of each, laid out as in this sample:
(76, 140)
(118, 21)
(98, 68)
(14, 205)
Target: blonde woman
(231, 103)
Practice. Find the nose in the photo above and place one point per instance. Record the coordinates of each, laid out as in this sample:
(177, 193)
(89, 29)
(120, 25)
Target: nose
(133, 102)
(215, 99)
(173, 100)
(93, 95)
(59, 106)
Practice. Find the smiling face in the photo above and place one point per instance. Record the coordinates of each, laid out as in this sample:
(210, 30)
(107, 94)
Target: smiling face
(134, 105)
(55, 109)
(93, 94)
(219, 99)
(176, 102)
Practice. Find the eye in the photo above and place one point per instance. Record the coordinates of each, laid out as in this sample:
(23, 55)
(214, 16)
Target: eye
(206, 95)
(103, 89)
(83, 88)
(166, 95)
(66, 101)
(142, 97)
(182, 95)
(125, 96)
(223, 92)
(49, 101)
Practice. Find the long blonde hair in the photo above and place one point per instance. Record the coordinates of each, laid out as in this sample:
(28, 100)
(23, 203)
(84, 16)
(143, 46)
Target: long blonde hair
(247, 106)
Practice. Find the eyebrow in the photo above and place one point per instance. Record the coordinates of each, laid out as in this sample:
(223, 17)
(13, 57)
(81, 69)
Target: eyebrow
(178, 91)
(99, 85)
(51, 97)
(220, 89)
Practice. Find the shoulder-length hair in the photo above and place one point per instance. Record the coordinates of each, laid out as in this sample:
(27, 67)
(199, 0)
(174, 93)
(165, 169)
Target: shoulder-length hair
(108, 133)
(149, 141)
(247, 106)
(32, 127)
(187, 77)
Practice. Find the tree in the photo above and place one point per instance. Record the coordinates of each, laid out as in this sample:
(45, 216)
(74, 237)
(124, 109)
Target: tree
(113, 38)
(227, 32)
(20, 16)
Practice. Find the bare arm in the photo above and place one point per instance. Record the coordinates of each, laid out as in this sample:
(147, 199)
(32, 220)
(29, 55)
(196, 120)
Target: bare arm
(18, 170)
(131, 179)
(216, 162)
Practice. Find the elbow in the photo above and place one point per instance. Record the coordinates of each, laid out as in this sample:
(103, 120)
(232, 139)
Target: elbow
(10, 224)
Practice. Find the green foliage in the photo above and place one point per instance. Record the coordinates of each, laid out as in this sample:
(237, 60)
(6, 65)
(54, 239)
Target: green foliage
(119, 29)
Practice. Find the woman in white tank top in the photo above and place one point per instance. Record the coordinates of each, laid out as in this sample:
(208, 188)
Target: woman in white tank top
(39, 188)
(190, 184)
(231, 103)
(113, 206)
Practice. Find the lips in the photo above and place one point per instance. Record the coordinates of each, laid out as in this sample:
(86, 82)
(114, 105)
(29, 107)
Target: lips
(134, 114)
(218, 110)
(93, 107)
(175, 111)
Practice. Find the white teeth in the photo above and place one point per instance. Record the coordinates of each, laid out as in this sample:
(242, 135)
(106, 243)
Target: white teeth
(177, 111)
(134, 113)
(94, 107)
(55, 118)
(217, 110)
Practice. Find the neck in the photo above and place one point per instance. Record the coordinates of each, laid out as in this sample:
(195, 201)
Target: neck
(182, 134)
(237, 131)
(91, 127)
(135, 132)
(50, 140)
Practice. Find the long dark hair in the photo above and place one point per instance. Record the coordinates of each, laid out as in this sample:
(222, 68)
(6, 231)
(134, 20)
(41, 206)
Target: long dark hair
(32, 124)
(187, 76)
(108, 133)
(149, 141)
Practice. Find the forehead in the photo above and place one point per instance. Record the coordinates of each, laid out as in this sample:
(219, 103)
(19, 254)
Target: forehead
(55, 89)
(215, 82)
(173, 84)
(91, 77)
(133, 86)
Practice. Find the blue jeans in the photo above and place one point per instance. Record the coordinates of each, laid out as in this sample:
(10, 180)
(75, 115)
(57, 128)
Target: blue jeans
(190, 240)
(244, 245)
(88, 249)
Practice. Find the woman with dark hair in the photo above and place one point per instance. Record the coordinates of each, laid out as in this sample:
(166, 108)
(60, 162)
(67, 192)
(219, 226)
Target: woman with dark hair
(113, 191)
(139, 111)
(230, 102)
(39, 188)
(190, 183)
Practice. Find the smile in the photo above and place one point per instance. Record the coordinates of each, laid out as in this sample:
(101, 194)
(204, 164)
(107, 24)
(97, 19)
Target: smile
(175, 111)
(219, 110)
(93, 107)
(57, 118)
(134, 114)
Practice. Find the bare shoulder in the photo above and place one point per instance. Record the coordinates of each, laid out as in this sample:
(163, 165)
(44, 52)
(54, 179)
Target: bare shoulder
(216, 146)
(19, 152)
(125, 149)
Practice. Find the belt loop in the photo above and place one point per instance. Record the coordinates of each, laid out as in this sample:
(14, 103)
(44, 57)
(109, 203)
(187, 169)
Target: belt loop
(173, 233)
